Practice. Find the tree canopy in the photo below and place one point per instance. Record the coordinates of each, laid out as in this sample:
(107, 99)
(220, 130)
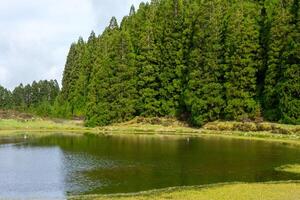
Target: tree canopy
(196, 60)
(38, 97)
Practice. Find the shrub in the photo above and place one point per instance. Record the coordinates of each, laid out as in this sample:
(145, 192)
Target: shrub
(264, 127)
(248, 126)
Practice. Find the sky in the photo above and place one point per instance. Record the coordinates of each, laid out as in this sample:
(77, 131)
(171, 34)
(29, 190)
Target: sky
(35, 35)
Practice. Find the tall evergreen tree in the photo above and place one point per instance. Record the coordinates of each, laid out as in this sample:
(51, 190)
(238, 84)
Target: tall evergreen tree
(132, 11)
(112, 94)
(169, 28)
(147, 63)
(205, 93)
(241, 60)
(279, 41)
(289, 82)
(5, 98)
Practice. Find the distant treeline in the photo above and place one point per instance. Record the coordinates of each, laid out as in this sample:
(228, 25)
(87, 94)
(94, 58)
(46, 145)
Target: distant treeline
(38, 98)
(196, 60)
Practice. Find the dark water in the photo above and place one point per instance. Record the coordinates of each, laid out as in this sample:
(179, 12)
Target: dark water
(57, 166)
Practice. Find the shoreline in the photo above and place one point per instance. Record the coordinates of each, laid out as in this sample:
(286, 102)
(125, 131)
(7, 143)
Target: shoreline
(41, 127)
(215, 191)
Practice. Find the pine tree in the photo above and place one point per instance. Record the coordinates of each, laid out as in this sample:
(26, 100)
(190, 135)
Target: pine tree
(113, 24)
(290, 107)
(264, 39)
(241, 60)
(204, 95)
(279, 39)
(112, 90)
(146, 51)
(289, 82)
(5, 98)
(169, 28)
(132, 11)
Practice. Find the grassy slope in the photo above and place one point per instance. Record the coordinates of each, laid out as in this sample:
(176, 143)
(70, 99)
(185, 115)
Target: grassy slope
(162, 126)
(239, 191)
(11, 121)
(11, 127)
(259, 131)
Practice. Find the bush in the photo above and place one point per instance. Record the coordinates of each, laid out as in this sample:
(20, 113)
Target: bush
(264, 127)
(247, 126)
(281, 131)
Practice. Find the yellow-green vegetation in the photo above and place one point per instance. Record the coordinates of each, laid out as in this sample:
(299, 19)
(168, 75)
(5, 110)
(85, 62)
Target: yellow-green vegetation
(140, 124)
(40, 125)
(161, 126)
(290, 168)
(11, 120)
(284, 129)
(238, 191)
(245, 130)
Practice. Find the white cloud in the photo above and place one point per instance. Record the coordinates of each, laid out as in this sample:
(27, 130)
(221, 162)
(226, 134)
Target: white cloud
(3, 74)
(36, 35)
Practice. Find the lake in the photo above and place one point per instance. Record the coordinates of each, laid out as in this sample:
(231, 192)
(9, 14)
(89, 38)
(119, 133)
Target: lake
(55, 166)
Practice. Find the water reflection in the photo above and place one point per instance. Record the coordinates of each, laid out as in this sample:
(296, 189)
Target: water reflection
(55, 166)
(28, 173)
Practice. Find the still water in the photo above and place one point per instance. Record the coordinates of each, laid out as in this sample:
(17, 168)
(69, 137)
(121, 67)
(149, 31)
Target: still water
(57, 166)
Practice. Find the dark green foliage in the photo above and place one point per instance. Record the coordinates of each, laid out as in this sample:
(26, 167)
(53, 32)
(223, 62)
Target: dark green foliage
(112, 88)
(171, 63)
(204, 95)
(198, 60)
(78, 67)
(38, 98)
(241, 60)
(147, 62)
(289, 82)
(132, 10)
(282, 88)
(5, 98)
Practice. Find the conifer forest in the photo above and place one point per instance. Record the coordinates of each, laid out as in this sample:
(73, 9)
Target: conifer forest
(196, 60)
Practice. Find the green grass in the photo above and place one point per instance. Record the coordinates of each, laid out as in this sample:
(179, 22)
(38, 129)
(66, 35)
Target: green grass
(237, 191)
(289, 168)
(10, 125)
(159, 126)
(270, 132)
(171, 125)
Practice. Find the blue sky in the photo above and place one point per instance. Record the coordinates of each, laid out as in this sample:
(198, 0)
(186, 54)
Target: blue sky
(35, 35)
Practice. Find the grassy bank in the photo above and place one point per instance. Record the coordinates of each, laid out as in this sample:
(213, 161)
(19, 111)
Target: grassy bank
(140, 124)
(39, 127)
(159, 126)
(266, 131)
(237, 191)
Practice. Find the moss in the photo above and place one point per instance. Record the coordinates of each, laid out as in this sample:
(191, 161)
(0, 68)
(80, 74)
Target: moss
(238, 191)
(289, 168)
